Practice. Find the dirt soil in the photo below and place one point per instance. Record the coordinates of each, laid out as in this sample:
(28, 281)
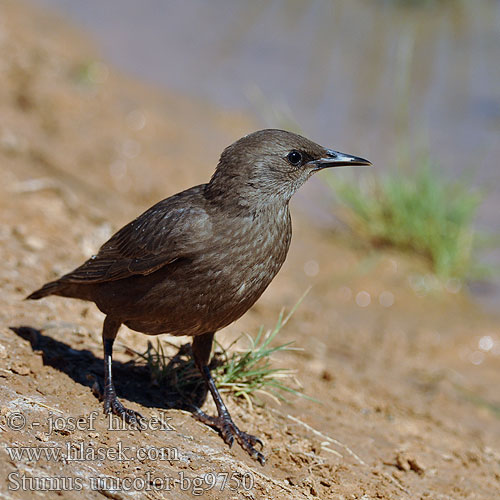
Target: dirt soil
(406, 378)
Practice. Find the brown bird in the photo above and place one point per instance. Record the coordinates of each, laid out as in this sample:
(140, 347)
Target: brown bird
(197, 261)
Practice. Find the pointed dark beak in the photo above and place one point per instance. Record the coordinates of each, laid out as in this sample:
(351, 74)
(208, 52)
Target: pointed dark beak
(337, 159)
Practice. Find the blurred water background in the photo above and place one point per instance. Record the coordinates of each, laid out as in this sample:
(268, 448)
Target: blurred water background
(385, 79)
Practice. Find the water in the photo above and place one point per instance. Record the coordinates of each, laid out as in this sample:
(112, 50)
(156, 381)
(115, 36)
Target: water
(369, 77)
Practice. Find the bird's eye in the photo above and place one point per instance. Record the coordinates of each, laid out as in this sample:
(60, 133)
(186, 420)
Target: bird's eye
(294, 158)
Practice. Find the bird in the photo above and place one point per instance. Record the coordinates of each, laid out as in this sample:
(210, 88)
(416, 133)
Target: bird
(195, 262)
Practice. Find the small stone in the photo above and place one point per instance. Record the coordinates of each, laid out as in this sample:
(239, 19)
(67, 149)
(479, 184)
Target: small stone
(34, 243)
(41, 436)
(402, 462)
(416, 466)
(408, 463)
(19, 368)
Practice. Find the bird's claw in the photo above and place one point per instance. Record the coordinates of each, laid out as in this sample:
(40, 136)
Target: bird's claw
(252, 439)
(229, 431)
(113, 405)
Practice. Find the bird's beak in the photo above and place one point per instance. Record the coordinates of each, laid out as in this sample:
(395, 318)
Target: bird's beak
(337, 159)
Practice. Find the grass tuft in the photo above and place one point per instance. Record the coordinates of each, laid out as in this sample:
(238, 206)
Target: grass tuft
(242, 373)
(420, 212)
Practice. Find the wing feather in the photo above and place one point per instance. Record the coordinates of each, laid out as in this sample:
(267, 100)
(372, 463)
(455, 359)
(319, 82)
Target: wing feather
(172, 229)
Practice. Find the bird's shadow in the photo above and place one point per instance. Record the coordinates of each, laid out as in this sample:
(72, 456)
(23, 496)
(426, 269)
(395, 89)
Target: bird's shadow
(132, 379)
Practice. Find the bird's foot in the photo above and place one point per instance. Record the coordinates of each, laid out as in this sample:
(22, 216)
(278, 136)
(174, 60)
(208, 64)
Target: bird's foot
(228, 430)
(113, 405)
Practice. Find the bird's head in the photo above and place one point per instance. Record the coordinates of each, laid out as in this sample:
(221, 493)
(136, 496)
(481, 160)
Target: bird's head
(270, 165)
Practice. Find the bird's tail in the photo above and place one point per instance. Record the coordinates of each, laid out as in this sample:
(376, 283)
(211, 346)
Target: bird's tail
(50, 288)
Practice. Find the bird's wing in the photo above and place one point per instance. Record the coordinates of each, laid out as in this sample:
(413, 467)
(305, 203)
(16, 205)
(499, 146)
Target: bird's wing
(163, 234)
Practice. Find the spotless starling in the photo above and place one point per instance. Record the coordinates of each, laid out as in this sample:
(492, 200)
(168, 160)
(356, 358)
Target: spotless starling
(198, 260)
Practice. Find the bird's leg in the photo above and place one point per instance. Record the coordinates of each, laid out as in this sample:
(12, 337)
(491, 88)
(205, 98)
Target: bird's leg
(202, 345)
(111, 403)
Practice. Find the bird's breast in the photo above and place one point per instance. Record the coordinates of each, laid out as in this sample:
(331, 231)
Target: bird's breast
(241, 263)
(255, 250)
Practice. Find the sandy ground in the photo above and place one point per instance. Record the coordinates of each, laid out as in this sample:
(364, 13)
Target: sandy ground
(407, 380)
